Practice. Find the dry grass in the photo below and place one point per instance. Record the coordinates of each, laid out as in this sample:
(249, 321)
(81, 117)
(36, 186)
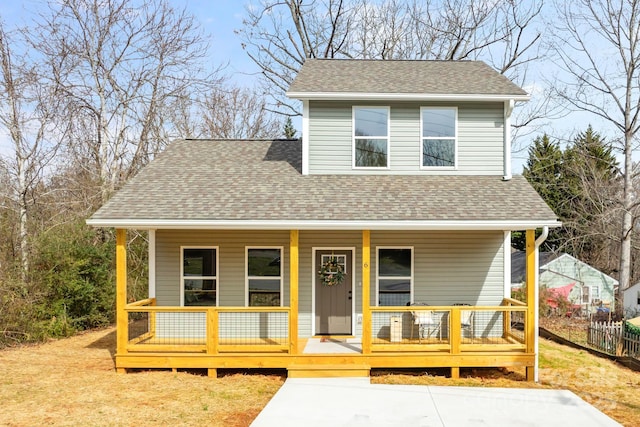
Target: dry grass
(572, 328)
(606, 385)
(72, 382)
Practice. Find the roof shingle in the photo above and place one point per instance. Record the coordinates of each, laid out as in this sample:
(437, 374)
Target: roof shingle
(261, 180)
(401, 77)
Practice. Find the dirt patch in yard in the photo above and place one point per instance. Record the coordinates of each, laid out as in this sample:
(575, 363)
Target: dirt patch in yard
(72, 382)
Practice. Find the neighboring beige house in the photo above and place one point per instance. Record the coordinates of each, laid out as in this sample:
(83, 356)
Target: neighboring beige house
(400, 190)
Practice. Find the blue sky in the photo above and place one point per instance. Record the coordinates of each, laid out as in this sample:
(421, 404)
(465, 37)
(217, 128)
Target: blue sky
(219, 19)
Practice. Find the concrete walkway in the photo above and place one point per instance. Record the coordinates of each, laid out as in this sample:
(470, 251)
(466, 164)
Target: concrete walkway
(356, 402)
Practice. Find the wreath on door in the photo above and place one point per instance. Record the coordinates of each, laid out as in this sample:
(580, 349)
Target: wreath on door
(331, 273)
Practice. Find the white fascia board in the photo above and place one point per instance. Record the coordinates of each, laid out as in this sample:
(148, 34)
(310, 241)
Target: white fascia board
(356, 96)
(142, 224)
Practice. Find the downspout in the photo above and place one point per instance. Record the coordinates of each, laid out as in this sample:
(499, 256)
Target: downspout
(508, 108)
(152, 263)
(536, 301)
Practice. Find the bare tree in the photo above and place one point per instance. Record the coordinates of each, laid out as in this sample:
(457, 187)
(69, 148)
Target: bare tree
(225, 111)
(118, 62)
(599, 50)
(279, 36)
(27, 111)
(234, 112)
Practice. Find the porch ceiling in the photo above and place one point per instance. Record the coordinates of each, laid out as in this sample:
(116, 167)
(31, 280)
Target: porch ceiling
(258, 185)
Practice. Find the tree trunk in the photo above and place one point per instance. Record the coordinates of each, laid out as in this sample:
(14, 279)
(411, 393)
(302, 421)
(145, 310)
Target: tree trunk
(627, 218)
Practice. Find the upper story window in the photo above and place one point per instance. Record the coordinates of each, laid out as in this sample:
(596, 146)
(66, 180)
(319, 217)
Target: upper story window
(439, 136)
(264, 276)
(371, 137)
(199, 276)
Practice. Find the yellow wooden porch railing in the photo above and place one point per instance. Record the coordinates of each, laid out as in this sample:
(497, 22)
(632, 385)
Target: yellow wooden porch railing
(210, 330)
(216, 330)
(449, 329)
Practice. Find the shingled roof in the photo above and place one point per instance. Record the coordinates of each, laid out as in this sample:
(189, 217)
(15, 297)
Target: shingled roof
(415, 78)
(242, 182)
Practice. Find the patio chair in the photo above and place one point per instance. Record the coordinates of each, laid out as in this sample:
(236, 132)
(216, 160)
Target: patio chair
(427, 324)
(466, 322)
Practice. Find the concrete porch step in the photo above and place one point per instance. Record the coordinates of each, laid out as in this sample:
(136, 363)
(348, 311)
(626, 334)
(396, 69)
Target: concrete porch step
(329, 371)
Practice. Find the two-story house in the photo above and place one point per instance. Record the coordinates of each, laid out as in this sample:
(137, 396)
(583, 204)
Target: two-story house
(379, 240)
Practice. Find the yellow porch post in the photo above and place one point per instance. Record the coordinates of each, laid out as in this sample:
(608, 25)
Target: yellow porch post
(531, 298)
(456, 337)
(122, 319)
(366, 294)
(293, 291)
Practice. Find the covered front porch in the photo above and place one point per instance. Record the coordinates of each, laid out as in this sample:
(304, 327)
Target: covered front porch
(414, 336)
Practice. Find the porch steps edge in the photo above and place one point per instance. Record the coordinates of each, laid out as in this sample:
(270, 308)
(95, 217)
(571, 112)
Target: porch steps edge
(329, 371)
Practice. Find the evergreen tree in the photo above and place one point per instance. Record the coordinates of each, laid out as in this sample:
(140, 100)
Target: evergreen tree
(543, 170)
(591, 177)
(579, 186)
(289, 130)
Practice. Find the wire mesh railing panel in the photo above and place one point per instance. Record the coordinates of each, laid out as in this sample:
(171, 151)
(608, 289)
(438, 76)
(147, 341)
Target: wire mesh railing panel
(180, 328)
(254, 328)
(138, 325)
(409, 327)
(516, 330)
(481, 327)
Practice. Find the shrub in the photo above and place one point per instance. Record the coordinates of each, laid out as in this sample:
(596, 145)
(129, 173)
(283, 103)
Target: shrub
(74, 268)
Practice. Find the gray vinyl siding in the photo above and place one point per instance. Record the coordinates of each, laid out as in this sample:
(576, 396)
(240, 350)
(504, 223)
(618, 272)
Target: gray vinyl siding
(462, 267)
(449, 267)
(231, 256)
(480, 138)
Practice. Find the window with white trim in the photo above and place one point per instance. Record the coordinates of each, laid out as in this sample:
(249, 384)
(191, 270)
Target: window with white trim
(264, 277)
(438, 128)
(395, 276)
(370, 137)
(199, 276)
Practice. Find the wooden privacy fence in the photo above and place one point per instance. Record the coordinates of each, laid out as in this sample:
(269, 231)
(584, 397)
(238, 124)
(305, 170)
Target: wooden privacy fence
(612, 338)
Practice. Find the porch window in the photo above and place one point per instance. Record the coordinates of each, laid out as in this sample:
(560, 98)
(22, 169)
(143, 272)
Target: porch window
(439, 136)
(199, 276)
(395, 276)
(371, 137)
(264, 277)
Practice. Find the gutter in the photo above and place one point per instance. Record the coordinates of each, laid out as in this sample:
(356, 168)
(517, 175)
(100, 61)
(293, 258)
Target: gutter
(205, 224)
(401, 96)
(536, 305)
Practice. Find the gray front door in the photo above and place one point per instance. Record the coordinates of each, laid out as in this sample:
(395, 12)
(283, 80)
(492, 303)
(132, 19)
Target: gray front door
(333, 303)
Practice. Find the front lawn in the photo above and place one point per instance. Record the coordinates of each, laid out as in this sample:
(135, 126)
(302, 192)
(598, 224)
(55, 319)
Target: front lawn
(71, 382)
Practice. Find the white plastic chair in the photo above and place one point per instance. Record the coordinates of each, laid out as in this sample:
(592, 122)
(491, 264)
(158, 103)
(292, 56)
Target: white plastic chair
(466, 321)
(426, 323)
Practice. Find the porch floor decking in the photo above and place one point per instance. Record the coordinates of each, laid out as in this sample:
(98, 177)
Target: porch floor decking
(333, 346)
